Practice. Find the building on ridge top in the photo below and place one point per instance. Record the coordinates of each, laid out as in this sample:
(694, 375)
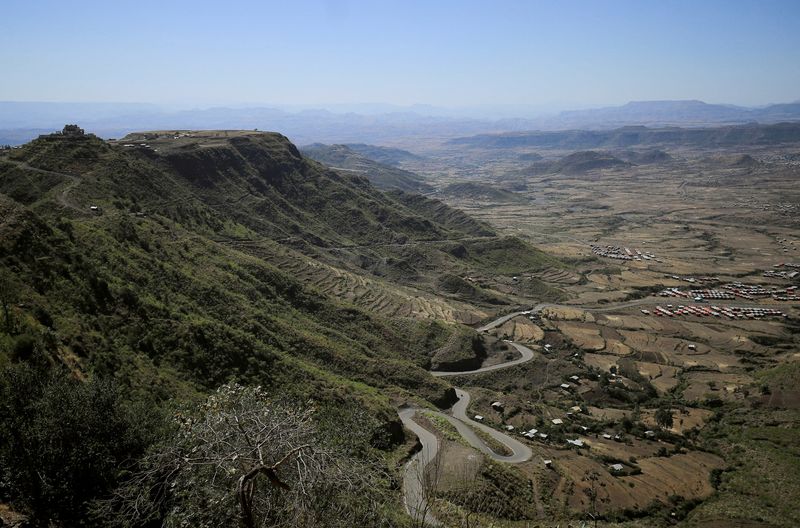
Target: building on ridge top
(72, 130)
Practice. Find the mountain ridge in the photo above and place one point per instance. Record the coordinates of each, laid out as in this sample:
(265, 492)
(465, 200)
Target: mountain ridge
(382, 176)
(180, 248)
(307, 126)
(629, 136)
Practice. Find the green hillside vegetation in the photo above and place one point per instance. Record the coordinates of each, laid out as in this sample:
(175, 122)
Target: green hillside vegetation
(463, 289)
(153, 286)
(463, 350)
(246, 189)
(442, 214)
(121, 301)
(760, 447)
(146, 266)
(507, 256)
(382, 176)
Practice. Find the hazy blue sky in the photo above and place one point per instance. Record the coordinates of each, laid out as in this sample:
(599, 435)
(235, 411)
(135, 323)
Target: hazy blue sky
(403, 52)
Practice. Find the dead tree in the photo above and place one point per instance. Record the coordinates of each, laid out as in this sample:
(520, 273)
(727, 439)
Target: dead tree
(250, 460)
(592, 477)
(428, 474)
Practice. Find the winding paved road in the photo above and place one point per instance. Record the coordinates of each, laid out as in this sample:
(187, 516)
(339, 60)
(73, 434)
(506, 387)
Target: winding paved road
(413, 488)
(414, 472)
(527, 355)
(520, 452)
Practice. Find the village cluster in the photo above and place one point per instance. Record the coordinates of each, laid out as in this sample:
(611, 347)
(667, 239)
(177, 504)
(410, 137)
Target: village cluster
(784, 159)
(791, 272)
(734, 290)
(731, 312)
(541, 436)
(782, 208)
(786, 244)
(141, 143)
(693, 280)
(622, 253)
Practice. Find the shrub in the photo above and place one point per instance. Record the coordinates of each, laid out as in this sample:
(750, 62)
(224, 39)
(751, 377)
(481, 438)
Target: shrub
(64, 442)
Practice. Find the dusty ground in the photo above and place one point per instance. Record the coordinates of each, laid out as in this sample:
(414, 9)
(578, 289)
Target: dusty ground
(729, 224)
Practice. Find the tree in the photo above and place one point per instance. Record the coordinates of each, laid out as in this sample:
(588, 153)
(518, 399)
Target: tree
(663, 417)
(473, 493)
(591, 492)
(64, 442)
(425, 475)
(242, 457)
(8, 293)
(627, 424)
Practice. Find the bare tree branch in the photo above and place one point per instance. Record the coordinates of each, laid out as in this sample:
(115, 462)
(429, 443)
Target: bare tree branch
(208, 473)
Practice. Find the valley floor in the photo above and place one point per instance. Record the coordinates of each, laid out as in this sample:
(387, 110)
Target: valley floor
(681, 302)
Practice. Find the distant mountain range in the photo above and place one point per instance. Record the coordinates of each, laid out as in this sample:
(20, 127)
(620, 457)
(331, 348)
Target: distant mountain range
(22, 121)
(684, 113)
(624, 137)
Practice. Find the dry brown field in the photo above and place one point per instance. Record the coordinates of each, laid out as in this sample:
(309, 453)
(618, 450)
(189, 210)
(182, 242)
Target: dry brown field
(700, 221)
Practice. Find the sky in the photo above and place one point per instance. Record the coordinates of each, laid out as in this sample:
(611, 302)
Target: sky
(446, 53)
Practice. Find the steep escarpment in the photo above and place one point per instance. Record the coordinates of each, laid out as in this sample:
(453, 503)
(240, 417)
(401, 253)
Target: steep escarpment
(382, 176)
(161, 258)
(630, 136)
(158, 268)
(155, 258)
(436, 211)
(281, 194)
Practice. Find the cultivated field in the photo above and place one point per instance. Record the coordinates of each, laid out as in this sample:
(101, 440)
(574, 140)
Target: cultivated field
(609, 362)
